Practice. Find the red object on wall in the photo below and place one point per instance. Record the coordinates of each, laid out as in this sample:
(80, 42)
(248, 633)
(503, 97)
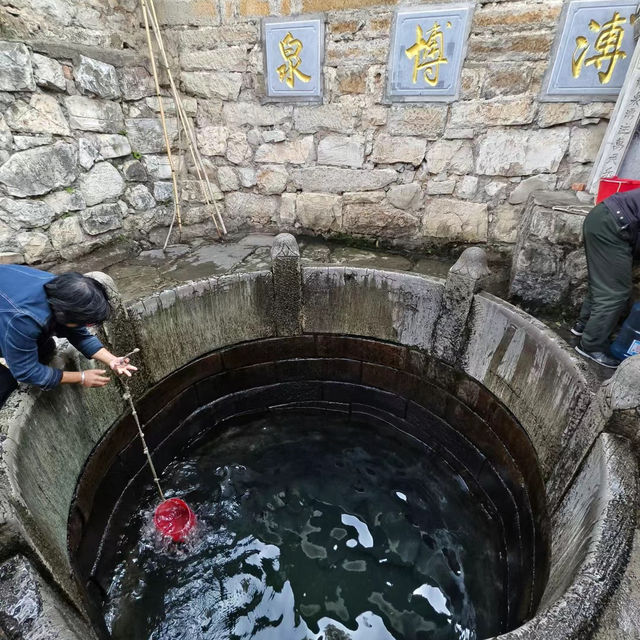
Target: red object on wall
(609, 186)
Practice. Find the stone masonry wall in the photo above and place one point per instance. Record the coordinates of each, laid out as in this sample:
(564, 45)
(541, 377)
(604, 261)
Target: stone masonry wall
(81, 148)
(412, 173)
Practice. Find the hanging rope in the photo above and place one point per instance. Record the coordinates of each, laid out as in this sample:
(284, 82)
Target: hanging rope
(127, 396)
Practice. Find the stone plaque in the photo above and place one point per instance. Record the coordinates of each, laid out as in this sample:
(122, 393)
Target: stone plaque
(293, 58)
(592, 52)
(428, 46)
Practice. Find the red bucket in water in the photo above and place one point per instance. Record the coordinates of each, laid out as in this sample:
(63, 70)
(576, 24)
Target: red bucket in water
(174, 519)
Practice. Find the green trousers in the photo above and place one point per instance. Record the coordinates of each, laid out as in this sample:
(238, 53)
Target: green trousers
(609, 262)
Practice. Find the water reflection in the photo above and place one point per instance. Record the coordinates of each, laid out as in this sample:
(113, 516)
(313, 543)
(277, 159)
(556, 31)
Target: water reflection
(312, 531)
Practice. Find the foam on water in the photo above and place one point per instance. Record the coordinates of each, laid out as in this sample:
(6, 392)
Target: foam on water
(312, 529)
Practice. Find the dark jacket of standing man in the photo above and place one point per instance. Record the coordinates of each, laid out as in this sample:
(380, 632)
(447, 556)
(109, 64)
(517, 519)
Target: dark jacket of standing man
(611, 234)
(36, 305)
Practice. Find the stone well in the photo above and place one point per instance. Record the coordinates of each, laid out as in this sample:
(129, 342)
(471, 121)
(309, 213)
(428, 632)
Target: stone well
(68, 455)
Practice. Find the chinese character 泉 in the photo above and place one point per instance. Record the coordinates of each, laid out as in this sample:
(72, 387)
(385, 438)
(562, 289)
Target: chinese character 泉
(607, 45)
(290, 49)
(428, 54)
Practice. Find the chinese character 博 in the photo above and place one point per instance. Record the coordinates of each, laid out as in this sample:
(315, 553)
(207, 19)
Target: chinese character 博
(428, 54)
(607, 45)
(290, 49)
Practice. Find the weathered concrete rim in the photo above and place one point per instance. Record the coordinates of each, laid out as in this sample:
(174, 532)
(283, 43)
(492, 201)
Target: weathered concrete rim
(497, 345)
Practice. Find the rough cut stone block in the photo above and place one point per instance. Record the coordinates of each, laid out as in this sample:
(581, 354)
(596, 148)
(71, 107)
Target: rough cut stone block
(585, 142)
(16, 73)
(331, 117)
(88, 152)
(20, 143)
(298, 151)
(64, 201)
(507, 79)
(43, 114)
(238, 149)
(102, 218)
(35, 246)
(97, 78)
(516, 152)
(524, 189)
(319, 211)
(382, 220)
(48, 73)
(163, 191)
(342, 151)
(65, 234)
(212, 141)
(251, 207)
(516, 15)
(552, 113)
(134, 171)
(427, 121)
(541, 271)
(88, 114)
(467, 187)
(483, 113)
(504, 223)
(135, 83)
(102, 183)
(157, 167)
(441, 186)
(188, 12)
(510, 46)
(25, 214)
(139, 197)
(405, 196)
(272, 179)
(234, 58)
(212, 84)
(455, 156)
(287, 214)
(38, 171)
(335, 180)
(228, 179)
(237, 114)
(391, 149)
(363, 197)
(455, 220)
(190, 105)
(146, 134)
(111, 145)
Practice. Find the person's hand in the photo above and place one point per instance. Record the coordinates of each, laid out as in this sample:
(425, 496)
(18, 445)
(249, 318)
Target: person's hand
(122, 367)
(94, 378)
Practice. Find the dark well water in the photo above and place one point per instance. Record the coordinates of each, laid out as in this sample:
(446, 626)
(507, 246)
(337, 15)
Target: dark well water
(312, 528)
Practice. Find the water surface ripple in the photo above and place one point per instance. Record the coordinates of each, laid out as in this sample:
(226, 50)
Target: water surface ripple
(312, 528)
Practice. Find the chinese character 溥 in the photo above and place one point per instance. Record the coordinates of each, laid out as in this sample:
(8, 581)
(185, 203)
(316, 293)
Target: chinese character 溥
(290, 49)
(607, 47)
(428, 54)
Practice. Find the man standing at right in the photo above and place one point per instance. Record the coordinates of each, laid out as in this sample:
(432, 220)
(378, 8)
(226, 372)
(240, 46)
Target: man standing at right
(611, 234)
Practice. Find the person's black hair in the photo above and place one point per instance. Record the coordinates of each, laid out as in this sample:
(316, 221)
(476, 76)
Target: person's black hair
(77, 299)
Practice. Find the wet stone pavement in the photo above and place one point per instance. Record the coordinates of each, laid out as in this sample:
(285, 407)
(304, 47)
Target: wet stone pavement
(139, 274)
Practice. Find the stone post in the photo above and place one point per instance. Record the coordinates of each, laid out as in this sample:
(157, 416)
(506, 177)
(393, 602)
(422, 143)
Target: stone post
(622, 397)
(614, 408)
(287, 285)
(464, 280)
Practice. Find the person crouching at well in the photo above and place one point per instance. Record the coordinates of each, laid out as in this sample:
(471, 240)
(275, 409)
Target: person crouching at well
(34, 307)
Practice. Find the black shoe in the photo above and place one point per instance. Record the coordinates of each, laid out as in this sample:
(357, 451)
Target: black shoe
(600, 357)
(578, 328)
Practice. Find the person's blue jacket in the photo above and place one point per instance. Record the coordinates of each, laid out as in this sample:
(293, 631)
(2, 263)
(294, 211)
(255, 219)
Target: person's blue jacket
(25, 317)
